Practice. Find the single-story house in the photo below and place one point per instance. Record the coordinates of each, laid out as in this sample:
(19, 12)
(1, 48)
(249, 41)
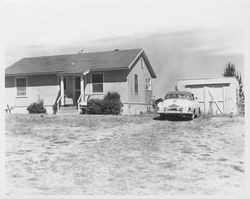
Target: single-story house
(71, 79)
(215, 95)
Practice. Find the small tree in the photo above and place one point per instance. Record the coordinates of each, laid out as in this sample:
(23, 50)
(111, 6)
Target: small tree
(229, 70)
(241, 95)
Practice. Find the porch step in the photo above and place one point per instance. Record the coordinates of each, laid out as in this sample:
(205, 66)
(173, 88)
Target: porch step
(68, 110)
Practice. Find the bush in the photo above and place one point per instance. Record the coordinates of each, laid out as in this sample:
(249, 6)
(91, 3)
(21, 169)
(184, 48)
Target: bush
(112, 104)
(94, 106)
(36, 107)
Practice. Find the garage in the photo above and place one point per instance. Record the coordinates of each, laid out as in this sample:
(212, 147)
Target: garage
(215, 95)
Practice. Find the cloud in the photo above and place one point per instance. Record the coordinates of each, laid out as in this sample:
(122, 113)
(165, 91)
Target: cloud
(219, 41)
(66, 22)
(181, 38)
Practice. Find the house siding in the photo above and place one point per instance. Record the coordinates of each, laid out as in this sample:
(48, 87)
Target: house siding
(33, 80)
(123, 82)
(143, 95)
(114, 81)
(138, 102)
(44, 86)
(110, 76)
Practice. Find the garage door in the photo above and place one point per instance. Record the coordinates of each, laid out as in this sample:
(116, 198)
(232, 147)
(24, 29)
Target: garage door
(215, 100)
(211, 98)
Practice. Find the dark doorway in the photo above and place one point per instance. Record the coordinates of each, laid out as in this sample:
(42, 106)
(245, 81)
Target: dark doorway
(77, 92)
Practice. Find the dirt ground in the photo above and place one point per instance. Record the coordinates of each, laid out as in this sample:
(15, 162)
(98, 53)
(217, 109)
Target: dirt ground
(91, 154)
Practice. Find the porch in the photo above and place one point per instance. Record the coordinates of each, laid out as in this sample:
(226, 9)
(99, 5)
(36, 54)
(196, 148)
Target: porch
(71, 91)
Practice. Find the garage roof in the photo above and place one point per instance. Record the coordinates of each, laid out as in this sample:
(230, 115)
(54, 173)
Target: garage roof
(180, 92)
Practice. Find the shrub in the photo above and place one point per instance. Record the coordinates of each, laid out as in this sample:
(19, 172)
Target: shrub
(94, 106)
(112, 103)
(36, 107)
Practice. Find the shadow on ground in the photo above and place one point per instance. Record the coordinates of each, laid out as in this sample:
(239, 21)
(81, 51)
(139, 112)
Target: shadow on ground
(172, 118)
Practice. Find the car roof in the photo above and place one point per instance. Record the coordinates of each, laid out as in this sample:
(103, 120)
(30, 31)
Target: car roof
(180, 92)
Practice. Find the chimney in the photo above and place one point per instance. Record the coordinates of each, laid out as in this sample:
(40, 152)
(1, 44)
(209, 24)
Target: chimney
(81, 52)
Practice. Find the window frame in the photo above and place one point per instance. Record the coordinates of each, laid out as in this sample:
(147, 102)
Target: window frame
(136, 75)
(100, 73)
(148, 88)
(26, 85)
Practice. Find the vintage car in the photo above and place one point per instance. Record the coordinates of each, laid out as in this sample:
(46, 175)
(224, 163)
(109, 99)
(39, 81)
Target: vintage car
(180, 103)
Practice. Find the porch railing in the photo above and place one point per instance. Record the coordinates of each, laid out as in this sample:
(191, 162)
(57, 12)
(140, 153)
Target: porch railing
(80, 100)
(78, 103)
(57, 103)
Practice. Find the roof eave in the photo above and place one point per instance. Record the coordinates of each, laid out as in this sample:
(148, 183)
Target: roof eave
(94, 70)
(149, 66)
(26, 74)
(65, 73)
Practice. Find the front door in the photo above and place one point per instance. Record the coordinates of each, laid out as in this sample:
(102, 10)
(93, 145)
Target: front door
(77, 91)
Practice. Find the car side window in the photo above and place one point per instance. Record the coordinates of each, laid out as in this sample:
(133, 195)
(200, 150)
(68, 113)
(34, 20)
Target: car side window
(182, 96)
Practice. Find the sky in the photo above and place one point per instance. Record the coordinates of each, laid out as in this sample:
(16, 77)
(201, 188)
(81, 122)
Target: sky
(182, 39)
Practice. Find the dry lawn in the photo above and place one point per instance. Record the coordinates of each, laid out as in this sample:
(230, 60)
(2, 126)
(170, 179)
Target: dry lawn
(88, 154)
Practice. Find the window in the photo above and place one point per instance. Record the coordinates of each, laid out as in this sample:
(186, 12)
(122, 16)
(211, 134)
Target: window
(148, 84)
(136, 83)
(179, 96)
(97, 83)
(142, 63)
(21, 87)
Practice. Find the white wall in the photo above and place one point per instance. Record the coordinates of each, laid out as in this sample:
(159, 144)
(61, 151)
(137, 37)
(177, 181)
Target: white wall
(224, 94)
(143, 95)
(47, 93)
(120, 87)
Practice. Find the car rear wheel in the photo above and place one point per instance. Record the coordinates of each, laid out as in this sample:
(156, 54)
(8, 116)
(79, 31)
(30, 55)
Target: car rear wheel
(162, 116)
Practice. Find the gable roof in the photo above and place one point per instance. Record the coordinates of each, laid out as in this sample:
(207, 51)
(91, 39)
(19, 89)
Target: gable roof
(77, 63)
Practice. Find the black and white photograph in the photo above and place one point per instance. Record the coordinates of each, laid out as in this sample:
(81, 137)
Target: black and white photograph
(124, 98)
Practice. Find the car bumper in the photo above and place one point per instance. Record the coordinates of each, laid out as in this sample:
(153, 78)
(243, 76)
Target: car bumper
(175, 112)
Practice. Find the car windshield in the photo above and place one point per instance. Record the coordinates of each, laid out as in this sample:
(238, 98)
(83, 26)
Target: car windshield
(179, 96)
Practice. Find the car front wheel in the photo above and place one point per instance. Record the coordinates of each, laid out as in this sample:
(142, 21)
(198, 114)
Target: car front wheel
(192, 116)
(197, 113)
